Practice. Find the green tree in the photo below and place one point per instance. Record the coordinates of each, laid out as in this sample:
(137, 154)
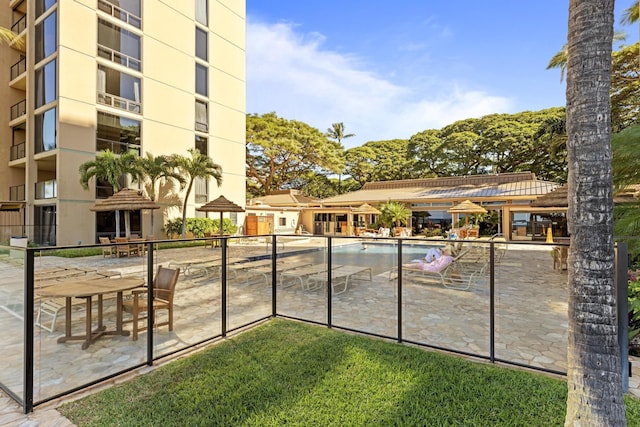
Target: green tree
(496, 143)
(280, 151)
(593, 363)
(110, 168)
(156, 169)
(625, 87)
(394, 213)
(380, 161)
(192, 168)
(626, 176)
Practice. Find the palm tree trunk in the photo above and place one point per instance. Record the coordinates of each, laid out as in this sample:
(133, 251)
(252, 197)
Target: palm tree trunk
(593, 362)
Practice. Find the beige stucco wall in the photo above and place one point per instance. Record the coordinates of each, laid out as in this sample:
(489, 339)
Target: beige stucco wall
(168, 106)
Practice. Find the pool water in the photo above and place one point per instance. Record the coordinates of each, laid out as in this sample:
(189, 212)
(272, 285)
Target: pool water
(380, 257)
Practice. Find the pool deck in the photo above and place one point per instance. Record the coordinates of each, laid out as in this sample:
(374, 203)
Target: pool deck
(423, 305)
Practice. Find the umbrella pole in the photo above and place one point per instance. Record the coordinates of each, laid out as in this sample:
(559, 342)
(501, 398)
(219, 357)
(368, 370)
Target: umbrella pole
(117, 223)
(221, 224)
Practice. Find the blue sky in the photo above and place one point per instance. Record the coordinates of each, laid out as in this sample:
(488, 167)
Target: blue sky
(389, 69)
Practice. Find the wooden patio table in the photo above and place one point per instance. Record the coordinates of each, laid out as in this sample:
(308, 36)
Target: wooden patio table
(87, 289)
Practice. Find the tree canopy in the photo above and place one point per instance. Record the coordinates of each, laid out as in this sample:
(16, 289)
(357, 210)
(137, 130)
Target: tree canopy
(380, 161)
(281, 151)
(496, 143)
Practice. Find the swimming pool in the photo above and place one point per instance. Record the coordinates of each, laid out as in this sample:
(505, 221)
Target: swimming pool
(380, 257)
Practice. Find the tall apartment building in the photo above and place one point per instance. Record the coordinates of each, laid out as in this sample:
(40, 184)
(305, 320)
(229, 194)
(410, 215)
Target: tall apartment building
(156, 76)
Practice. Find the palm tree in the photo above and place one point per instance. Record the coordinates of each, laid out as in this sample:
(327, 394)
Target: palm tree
(109, 167)
(156, 169)
(594, 377)
(336, 132)
(630, 15)
(8, 36)
(198, 166)
(559, 60)
(395, 213)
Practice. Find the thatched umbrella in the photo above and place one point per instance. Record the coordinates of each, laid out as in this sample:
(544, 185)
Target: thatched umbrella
(124, 200)
(366, 209)
(467, 207)
(221, 204)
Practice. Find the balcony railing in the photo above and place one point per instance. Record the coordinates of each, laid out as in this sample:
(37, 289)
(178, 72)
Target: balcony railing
(116, 147)
(20, 25)
(46, 189)
(119, 102)
(119, 13)
(16, 193)
(18, 151)
(119, 58)
(202, 127)
(18, 68)
(18, 109)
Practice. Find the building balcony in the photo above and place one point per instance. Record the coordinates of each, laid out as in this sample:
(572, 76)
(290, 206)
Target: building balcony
(18, 151)
(18, 73)
(18, 110)
(19, 27)
(46, 189)
(119, 58)
(119, 102)
(119, 13)
(16, 193)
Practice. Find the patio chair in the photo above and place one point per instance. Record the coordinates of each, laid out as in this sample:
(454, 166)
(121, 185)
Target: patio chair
(125, 250)
(110, 250)
(163, 290)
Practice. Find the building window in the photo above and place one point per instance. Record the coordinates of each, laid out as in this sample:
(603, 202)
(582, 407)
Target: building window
(202, 12)
(42, 6)
(202, 116)
(202, 84)
(45, 131)
(202, 146)
(202, 44)
(118, 134)
(46, 84)
(118, 45)
(282, 221)
(126, 10)
(44, 218)
(46, 37)
(119, 90)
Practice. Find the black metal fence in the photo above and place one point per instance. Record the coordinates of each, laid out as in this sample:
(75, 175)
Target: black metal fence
(504, 302)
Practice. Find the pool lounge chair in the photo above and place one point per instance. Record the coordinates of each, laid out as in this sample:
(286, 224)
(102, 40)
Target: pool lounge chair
(264, 271)
(300, 274)
(340, 278)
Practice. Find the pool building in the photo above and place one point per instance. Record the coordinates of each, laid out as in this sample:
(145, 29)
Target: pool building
(507, 198)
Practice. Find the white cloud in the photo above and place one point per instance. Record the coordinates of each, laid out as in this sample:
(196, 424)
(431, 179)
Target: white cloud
(294, 76)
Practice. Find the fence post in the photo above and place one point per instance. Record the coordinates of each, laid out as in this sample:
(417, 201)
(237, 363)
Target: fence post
(492, 303)
(622, 294)
(399, 290)
(28, 330)
(329, 282)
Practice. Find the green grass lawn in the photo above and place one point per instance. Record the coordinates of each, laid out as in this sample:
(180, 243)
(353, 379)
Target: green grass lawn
(288, 373)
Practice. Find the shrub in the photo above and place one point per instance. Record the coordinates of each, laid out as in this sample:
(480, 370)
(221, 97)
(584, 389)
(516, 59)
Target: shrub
(199, 226)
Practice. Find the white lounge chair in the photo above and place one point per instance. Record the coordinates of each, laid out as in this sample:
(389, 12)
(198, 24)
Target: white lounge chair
(340, 278)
